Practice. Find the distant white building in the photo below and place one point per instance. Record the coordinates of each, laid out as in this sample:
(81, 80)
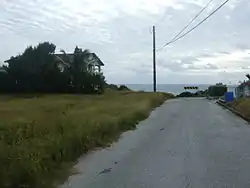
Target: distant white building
(243, 90)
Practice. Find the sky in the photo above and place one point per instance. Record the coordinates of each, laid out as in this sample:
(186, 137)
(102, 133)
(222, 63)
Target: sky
(120, 33)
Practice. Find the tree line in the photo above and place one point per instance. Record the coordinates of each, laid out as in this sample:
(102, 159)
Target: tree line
(37, 70)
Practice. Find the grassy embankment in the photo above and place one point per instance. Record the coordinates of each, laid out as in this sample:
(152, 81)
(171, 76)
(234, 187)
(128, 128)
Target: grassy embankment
(242, 106)
(38, 136)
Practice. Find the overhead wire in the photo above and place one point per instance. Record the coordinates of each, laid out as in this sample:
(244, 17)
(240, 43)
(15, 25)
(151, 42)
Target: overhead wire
(193, 28)
(194, 18)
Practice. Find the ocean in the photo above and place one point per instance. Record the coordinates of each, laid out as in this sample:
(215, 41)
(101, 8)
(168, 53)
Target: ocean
(171, 88)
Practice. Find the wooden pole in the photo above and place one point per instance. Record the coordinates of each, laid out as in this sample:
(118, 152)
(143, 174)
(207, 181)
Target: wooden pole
(154, 61)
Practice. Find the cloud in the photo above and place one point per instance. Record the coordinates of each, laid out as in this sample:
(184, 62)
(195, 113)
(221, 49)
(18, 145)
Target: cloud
(231, 61)
(242, 46)
(212, 66)
(119, 32)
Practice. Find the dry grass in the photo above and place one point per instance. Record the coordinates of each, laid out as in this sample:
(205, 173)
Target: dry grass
(39, 135)
(242, 106)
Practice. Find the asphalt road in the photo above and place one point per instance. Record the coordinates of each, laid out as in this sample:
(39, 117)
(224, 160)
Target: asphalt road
(186, 143)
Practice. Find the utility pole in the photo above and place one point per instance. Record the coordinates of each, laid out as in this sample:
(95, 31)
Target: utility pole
(154, 63)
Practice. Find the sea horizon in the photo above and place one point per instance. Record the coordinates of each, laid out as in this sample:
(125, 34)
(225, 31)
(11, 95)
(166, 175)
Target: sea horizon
(173, 88)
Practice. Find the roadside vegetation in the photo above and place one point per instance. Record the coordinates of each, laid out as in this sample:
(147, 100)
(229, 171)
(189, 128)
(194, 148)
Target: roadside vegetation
(217, 90)
(242, 105)
(50, 113)
(40, 134)
(196, 94)
(213, 91)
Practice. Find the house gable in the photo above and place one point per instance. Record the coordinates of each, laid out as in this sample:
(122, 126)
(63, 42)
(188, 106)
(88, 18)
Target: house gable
(92, 59)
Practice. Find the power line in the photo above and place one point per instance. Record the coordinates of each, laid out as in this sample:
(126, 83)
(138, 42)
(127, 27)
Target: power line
(197, 25)
(165, 14)
(196, 16)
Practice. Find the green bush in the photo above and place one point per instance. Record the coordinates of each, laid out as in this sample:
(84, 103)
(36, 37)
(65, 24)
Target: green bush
(217, 90)
(123, 88)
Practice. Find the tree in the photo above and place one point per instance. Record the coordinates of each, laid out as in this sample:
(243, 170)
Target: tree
(82, 79)
(219, 84)
(217, 90)
(30, 68)
(37, 70)
(248, 76)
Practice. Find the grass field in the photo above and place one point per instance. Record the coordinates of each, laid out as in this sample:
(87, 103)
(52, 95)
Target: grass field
(242, 106)
(40, 135)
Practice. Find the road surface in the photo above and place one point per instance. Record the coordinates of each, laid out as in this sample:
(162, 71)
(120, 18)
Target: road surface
(186, 143)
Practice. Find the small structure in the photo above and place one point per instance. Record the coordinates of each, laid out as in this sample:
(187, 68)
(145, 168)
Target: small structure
(229, 96)
(191, 87)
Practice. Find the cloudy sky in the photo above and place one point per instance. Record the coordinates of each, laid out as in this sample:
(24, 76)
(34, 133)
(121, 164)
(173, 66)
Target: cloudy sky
(119, 32)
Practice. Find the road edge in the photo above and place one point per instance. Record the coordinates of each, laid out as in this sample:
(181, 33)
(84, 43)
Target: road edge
(233, 110)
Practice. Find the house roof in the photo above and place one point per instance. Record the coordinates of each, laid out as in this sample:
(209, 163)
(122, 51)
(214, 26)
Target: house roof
(61, 58)
(98, 59)
(7, 61)
(92, 58)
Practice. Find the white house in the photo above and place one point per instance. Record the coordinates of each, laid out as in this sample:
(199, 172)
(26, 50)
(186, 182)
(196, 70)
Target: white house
(243, 90)
(94, 63)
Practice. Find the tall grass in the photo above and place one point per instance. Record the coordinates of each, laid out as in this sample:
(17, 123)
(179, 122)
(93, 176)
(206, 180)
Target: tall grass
(39, 135)
(242, 105)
